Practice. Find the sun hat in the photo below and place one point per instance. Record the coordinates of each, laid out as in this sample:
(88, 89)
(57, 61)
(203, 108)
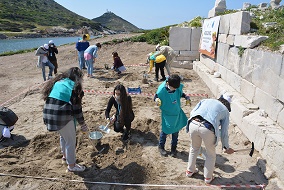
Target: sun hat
(50, 42)
(46, 46)
(227, 97)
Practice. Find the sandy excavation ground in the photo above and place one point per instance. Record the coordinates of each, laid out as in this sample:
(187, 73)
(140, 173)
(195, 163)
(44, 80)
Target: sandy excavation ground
(34, 154)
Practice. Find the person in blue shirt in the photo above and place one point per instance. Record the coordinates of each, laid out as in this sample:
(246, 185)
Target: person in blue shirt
(81, 46)
(90, 55)
(203, 125)
(173, 118)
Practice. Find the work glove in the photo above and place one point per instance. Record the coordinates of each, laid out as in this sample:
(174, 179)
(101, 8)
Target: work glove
(84, 128)
(158, 102)
(188, 101)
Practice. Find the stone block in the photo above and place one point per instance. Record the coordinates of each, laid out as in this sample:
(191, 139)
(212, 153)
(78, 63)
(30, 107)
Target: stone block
(208, 62)
(222, 38)
(240, 23)
(266, 71)
(182, 64)
(180, 38)
(224, 25)
(248, 90)
(234, 80)
(238, 112)
(248, 41)
(234, 59)
(247, 64)
(267, 102)
(222, 54)
(195, 39)
(190, 53)
(230, 39)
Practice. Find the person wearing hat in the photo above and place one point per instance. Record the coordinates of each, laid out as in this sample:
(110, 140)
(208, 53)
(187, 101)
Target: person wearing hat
(52, 50)
(169, 53)
(43, 61)
(203, 125)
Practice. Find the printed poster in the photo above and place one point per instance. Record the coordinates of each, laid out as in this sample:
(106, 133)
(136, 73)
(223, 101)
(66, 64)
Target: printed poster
(209, 36)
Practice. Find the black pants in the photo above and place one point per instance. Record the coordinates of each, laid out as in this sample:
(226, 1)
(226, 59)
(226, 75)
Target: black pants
(54, 62)
(160, 66)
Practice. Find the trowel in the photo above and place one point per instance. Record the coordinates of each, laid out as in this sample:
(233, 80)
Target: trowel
(105, 128)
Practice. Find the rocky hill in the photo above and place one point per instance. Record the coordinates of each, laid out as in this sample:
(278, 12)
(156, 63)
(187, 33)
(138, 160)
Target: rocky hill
(114, 22)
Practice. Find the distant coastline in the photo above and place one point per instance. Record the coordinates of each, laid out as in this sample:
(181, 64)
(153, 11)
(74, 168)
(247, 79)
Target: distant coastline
(37, 35)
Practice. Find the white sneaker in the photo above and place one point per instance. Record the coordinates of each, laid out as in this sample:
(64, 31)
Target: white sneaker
(76, 168)
(50, 77)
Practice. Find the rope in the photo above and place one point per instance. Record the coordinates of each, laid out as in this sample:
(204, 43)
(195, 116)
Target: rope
(262, 186)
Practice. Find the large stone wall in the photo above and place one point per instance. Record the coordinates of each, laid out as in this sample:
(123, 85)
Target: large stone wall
(256, 79)
(185, 42)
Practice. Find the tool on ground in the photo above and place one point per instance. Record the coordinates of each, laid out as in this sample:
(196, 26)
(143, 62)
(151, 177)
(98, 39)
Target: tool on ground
(105, 128)
(246, 149)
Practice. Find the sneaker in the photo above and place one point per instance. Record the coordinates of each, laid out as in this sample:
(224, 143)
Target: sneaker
(189, 173)
(163, 79)
(76, 168)
(50, 77)
(208, 180)
(162, 151)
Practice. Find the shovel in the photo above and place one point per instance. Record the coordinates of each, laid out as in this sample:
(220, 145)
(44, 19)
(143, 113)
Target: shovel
(105, 128)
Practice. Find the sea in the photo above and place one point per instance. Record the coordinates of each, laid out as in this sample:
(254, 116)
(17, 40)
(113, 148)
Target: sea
(12, 45)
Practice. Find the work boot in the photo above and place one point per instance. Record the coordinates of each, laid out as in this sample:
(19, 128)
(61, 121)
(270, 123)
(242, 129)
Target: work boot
(173, 151)
(126, 135)
(162, 151)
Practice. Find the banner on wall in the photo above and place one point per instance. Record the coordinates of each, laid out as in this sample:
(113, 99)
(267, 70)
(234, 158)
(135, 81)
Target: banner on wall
(209, 36)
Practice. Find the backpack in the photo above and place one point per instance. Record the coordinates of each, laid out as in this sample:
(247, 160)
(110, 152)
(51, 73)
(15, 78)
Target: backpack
(7, 116)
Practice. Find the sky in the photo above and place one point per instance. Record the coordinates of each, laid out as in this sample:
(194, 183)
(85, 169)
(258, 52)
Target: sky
(150, 14)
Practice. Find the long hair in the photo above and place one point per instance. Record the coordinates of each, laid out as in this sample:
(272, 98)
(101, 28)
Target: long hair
(74, 74)
(126, 106)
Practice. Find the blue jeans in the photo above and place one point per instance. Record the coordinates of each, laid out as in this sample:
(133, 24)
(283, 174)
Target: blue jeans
(163, 137)
(51, 68)
(81, 60)
(90, 65)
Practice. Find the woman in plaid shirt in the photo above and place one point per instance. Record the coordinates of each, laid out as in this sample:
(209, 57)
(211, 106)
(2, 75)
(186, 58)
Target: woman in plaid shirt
(63, 107)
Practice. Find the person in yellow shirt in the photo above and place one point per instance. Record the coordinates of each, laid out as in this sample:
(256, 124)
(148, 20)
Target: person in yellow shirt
(159, 62)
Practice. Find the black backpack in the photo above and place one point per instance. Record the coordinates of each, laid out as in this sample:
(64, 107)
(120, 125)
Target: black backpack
(7, 116)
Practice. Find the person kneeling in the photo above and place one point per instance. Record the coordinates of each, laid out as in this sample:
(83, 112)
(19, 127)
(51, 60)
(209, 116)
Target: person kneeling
(124, 114)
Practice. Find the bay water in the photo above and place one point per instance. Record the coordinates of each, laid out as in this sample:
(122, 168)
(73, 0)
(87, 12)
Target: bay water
(8, 45)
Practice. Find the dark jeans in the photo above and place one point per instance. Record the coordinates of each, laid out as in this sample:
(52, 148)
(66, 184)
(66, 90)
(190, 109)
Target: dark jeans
(160, 66)
(163, 137)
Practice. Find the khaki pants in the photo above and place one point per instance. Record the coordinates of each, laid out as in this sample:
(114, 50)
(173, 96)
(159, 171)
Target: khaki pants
(199, 133)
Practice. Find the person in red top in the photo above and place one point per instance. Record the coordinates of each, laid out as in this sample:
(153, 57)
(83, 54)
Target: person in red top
(117, 63)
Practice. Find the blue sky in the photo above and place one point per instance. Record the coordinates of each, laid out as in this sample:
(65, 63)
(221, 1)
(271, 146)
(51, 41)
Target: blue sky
(150, 14)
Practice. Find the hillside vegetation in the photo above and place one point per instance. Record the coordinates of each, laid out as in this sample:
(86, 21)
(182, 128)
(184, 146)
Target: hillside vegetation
(31, 15)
